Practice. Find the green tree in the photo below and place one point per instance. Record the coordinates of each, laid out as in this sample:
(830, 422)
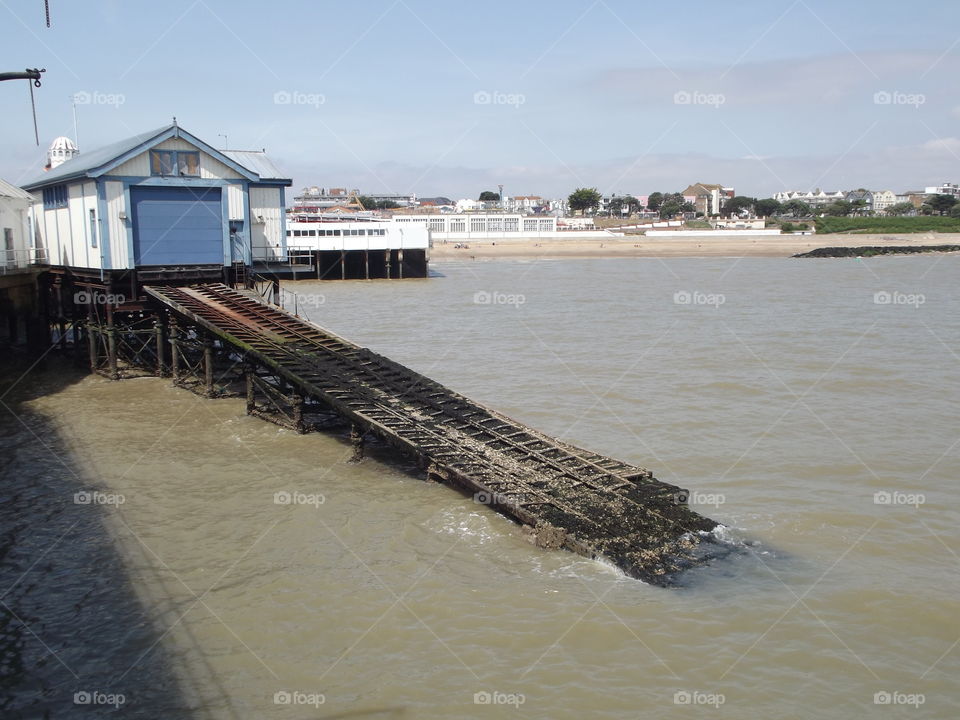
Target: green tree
(488, 196)
(654, 201)
(796, 208)
(674, 204)
(838, 208)
(941, 204)
(902, 208)
(955, 211)
(583, 199)
(767, 207)
(737, 205)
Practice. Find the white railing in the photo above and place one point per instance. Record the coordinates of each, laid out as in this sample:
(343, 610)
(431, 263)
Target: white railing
(14, 261)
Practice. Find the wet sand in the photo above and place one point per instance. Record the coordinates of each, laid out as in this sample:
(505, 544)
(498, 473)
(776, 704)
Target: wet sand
(639, 246)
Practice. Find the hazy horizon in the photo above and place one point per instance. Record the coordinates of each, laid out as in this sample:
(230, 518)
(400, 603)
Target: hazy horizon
(429, 98)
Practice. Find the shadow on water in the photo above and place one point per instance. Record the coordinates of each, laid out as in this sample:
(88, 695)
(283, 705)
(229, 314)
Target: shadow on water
(75, 639)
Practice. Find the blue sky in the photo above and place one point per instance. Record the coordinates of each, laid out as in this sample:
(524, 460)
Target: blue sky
(453, 98)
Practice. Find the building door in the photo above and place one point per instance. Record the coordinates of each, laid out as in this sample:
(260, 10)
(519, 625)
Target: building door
(177, 226)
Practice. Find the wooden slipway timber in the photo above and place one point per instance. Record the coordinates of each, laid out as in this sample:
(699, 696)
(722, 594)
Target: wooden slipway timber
(562, 495)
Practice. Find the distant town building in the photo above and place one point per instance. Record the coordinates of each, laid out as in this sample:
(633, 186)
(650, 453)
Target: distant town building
(866, 196)
(708, 198)
(943, 189)
(814, 198)
(882, 199)
(323, 198)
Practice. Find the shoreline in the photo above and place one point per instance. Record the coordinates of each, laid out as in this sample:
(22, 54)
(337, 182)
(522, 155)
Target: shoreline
(774, 246)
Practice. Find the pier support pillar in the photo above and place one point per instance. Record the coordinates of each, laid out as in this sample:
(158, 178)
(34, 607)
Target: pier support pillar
(93, 339)
(366, 264)
(296, 402)
(158, 329)
(251, 396)
(112, 345)
(400, 264)
(356, 439)
(208, 367)
(174, 351)
(343, 264)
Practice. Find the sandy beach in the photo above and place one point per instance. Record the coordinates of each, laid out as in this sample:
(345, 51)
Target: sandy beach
(639, 246)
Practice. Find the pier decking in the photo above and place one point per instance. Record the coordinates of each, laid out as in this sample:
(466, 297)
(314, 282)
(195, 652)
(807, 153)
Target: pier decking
(563, 496)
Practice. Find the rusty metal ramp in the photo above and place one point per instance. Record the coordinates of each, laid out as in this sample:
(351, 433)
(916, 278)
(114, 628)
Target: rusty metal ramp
(564, 497)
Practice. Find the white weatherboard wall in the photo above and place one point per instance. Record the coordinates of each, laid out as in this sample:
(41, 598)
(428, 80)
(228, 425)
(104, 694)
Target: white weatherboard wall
(117, 204)
(265, 234)
(235, 202)
(15, 214)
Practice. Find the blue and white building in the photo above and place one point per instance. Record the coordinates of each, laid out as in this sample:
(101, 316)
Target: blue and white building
(160, 199)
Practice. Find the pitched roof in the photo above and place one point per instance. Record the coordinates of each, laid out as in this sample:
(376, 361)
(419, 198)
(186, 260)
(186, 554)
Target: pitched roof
(256, 161)
(12, 191)
(88, 161)
(252, 164)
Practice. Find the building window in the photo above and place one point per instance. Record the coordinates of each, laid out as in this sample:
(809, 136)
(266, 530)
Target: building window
(175, 162)
(93, 228)
(55, 197)
(162, 162)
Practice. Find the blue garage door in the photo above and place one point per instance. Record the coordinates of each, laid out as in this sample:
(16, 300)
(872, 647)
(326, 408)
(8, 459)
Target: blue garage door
(177, 226)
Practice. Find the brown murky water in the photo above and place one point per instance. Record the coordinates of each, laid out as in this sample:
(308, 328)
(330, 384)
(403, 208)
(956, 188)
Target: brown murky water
(819, 422)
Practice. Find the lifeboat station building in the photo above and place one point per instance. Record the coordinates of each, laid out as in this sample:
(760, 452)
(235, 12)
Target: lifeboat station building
(161, 205)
